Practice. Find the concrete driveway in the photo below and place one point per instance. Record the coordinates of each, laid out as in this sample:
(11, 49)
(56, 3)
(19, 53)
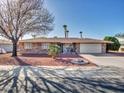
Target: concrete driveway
(105, 60)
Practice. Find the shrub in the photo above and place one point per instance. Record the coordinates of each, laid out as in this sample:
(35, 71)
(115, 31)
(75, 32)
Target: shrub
(54, 50)
(115, 45)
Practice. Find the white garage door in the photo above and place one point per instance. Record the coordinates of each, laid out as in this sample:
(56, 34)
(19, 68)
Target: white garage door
(90, 48)
(7, 47)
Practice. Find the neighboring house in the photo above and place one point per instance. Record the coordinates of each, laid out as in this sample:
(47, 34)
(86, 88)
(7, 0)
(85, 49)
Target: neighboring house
(5, 46)
(121, 40)
(68, 45)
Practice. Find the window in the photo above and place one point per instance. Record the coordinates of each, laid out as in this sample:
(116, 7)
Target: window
(28, 45)
(45, 45)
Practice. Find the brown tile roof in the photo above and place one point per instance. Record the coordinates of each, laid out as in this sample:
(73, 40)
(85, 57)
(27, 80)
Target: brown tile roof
(65, 40)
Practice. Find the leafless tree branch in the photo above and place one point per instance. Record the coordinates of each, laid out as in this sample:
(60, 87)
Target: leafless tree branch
(20, 17)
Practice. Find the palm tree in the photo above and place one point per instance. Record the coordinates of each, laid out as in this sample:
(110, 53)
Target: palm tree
(34, 36)
(65, 30)
(67, 33)
(81, 34)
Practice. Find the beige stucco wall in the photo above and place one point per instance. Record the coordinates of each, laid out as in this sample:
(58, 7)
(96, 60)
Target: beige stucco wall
(21, 45)
(78, 48)
(104, 48)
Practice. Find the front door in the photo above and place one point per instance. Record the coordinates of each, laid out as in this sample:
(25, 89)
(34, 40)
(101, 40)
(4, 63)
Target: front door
(68, 48)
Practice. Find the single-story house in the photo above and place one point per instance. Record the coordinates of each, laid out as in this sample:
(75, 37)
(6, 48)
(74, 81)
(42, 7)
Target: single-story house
(68, 45)
(5, 46)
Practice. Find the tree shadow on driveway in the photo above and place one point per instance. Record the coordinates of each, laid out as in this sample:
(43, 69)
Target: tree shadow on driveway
(27, 79)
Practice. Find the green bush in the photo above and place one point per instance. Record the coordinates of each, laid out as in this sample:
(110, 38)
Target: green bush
(53, 50)
(115, 45)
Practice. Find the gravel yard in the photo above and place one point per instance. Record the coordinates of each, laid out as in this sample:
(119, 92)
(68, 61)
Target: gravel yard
(40, 60)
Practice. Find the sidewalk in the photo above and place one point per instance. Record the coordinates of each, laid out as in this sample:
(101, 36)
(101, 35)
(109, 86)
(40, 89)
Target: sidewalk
(105, 60)
(9, 67)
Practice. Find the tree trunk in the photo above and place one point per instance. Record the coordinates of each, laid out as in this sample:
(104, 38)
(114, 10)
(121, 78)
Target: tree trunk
(14, 53)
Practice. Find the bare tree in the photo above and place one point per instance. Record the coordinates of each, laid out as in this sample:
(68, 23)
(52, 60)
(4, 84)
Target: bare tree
(20, 17)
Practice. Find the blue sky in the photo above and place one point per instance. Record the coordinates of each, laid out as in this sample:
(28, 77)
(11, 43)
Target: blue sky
(95, 18)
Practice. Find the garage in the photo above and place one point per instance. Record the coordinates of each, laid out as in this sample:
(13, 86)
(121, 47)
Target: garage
(5, 46)
(90, 48)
